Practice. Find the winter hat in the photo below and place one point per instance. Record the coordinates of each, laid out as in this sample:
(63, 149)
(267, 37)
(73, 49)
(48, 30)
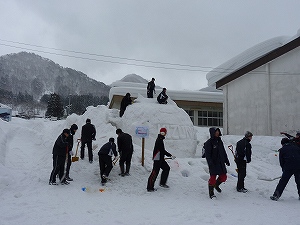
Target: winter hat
(88, 120)
(111, 140)
(66, 131)
(163, 131)
(248, 134)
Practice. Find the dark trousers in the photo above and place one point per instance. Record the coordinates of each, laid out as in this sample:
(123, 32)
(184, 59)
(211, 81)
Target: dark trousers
(149, 94)
(90, 150)
(286, 175)
(105, 164)
(157, 165)
(69, 162)
(241, 166)
(125, 158)
(58, 167)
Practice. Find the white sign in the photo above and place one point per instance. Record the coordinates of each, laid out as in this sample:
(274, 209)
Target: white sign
(142, 132)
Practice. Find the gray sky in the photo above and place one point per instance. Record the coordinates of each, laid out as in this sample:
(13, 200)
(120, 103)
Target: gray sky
(198, 33)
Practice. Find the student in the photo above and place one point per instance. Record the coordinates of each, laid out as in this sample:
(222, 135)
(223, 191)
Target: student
(159, 162)
(162, 97)
(289, 159)
(242, 157)
(88, 134)
(105, 162)
(125, 148)
(150, 88)
(73, 130)
(216, 158)
(126, 101)
(60, 151)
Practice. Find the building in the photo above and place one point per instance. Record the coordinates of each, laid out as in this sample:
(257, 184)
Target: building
(261, 88)
(5, 112)
(205, 107)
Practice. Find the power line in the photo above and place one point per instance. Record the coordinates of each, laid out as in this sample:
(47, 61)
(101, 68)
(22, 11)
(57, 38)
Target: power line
(109, 56)
(217, 70)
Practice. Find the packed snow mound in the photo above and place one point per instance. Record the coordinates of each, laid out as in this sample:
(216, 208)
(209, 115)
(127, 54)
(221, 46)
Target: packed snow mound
(181, 139)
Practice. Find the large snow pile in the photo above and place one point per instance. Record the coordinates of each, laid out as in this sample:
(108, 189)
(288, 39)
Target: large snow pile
(26, 163)
(181, 136)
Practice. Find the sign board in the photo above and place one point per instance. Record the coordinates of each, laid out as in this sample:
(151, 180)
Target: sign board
(142, 132)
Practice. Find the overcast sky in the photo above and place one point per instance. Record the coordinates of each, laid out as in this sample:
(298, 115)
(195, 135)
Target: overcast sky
(109, 39)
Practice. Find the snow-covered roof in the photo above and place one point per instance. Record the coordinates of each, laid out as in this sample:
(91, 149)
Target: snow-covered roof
(199, 96)
(4, 106)
(247, 57)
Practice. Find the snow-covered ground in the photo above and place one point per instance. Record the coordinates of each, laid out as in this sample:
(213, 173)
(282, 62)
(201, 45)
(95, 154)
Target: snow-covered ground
(26, 163)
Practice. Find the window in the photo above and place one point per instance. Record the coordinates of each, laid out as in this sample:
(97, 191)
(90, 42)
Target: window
(191, 114)
(210, 118)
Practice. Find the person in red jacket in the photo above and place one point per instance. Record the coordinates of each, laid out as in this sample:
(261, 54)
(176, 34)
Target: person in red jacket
(159, 162)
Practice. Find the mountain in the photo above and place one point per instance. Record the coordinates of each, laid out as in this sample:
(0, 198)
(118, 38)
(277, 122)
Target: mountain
(30, 73)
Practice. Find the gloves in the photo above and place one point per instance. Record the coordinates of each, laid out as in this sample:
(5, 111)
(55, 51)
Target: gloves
(71, 153)
(173, 157)
(227, 163)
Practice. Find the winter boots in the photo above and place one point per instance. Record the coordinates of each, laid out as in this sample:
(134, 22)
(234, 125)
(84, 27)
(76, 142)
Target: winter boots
(211, 191)
(216, 186)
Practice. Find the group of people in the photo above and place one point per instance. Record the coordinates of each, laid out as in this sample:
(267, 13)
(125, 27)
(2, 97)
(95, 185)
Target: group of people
(217, 160)
(215, 154)
(63, 151)
(161, 98)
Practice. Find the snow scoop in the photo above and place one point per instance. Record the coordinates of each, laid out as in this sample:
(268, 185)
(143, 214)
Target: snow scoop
(76, 158)
(231, 149)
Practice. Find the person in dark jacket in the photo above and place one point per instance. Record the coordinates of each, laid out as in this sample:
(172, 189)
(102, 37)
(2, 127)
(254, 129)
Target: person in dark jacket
(162, 97)
(73, 130)
(88, 134)
(242, 157)
(151, 88)
(289, 159)
(216, 158)
(295, 140)
(60, 151)
(126, 101)
(159, 162)
(105, 162)
(125, 148)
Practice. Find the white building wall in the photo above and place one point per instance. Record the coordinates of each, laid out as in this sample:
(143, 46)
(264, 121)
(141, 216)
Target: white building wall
(266, 100)
(285, 89)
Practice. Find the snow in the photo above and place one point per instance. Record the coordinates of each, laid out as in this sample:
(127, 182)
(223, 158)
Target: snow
(26, 163)
(247, 57)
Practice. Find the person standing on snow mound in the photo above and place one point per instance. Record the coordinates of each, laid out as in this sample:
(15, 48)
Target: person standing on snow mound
(126, 101)
(242, 157)
(289, 159)
(151, 88)
(60, 150)
(159, 162)
(162, 97)
(125, 148)
(73, 130)
(88, 134)
(216, 158)
(105, 162)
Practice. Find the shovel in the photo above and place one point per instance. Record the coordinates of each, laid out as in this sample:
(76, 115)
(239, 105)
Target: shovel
(76, 158)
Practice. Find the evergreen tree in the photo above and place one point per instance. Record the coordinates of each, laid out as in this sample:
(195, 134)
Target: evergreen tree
(55, 107)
